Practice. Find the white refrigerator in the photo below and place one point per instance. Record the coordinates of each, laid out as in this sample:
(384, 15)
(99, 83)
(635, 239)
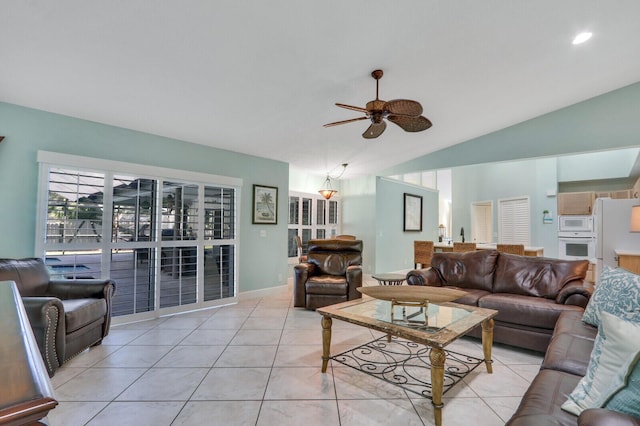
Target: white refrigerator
(612, 220)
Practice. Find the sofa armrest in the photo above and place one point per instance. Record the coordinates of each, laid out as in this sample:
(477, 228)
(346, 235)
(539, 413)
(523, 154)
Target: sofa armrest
(604, 417)
(354, 280)
(301, 273)
(575, 293)
(424, 277)
(46, 315)
(81, 289)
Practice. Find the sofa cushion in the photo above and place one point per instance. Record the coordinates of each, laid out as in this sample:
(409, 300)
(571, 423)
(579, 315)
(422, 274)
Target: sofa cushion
(80, 312)
(617, 344)
(473, 269)
(617, 292)
(570, 322)
(535, 276)
(525, 310)
(327, 284)
(541, 403)
(569, 353)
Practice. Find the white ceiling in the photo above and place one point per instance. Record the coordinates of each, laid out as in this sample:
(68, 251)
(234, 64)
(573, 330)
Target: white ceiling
(261, 77)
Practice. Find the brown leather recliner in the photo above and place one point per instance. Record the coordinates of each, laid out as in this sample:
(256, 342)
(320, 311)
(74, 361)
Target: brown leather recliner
(67, 316)
(330, 275)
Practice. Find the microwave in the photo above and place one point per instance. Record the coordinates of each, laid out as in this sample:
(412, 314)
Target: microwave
(581, 224)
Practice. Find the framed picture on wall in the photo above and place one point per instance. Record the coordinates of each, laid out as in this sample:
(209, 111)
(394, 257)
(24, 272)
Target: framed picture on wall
(412, 212)
(265, 205)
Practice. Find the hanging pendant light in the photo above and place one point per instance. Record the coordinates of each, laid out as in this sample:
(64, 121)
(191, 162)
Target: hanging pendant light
(327, 190)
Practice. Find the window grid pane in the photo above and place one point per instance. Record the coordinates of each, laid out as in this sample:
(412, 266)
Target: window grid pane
(74, 213)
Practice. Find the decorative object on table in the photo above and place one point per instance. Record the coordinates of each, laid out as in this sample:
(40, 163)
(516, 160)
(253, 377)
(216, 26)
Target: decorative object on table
(327, 190)
(412, 293)
(442, 232)
(412, 212)
(265, 205)
(546, 217)
(462, 233)
(413, 297)
(403, 112)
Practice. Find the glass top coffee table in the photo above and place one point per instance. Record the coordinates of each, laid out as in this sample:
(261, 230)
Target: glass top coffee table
(436, 327)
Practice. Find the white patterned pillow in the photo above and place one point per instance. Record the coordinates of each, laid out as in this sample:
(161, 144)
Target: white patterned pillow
(618, 293)
(617, 345)
(624, 394)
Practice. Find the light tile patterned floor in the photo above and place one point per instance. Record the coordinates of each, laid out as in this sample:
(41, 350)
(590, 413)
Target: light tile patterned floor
(258, 363)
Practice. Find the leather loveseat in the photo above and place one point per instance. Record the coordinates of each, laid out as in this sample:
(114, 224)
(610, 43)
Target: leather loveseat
(67, 316)
(529, 293)
(565, 363)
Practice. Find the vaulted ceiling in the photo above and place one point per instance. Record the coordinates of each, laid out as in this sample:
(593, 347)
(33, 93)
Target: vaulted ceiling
(262, 77)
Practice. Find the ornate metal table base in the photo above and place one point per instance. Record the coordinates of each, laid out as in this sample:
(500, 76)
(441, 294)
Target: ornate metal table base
(406, 364)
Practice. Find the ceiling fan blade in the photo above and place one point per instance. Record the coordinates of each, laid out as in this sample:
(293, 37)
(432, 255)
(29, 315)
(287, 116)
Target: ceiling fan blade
(410, 124)
(355, 108)
(374, 130)
(403, 107)
(336, 123)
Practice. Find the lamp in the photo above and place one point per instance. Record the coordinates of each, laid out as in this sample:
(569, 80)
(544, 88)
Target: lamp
(635, 219)
(327, 190)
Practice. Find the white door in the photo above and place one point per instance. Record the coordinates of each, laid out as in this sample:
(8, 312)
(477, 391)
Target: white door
(481, 221)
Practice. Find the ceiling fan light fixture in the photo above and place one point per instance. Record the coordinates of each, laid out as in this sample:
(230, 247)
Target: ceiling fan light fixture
(582, 37)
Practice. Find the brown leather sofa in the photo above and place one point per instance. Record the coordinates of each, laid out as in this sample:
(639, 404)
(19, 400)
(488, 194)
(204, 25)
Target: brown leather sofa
(331, 273)
(67, 316)
(565, 363)
(529, 293)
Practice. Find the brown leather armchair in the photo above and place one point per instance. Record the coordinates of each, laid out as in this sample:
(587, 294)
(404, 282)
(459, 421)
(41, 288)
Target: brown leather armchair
(330, 275)
(67, 316)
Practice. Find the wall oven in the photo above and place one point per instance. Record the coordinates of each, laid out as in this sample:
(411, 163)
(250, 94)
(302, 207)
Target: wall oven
(577, 248)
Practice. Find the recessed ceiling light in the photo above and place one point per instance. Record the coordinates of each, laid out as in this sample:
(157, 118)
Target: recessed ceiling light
(582, 37)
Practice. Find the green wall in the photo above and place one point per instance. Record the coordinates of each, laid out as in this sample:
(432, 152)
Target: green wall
(603, 122)
(262, 262)
(492, 182)
(373, 210)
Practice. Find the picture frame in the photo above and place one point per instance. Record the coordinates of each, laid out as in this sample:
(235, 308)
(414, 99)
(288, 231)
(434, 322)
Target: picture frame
(412, 213)
(265, 205)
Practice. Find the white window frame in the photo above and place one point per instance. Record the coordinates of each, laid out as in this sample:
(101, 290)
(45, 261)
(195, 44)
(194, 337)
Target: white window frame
(331, 229)
(110, 168)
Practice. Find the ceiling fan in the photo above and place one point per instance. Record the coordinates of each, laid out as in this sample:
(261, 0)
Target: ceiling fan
(403, 112)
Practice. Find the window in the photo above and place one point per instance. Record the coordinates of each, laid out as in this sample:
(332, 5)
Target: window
(514, 221)
(319, 220)
(168, 238)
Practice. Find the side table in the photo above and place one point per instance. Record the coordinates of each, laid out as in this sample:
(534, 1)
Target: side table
(389, 279)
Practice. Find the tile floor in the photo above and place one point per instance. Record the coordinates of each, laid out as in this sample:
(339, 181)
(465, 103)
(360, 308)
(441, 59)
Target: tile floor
(258, 363)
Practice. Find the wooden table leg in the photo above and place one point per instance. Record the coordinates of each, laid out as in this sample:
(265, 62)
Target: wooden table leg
(437, 357)
(326, 341)
(487, 343)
